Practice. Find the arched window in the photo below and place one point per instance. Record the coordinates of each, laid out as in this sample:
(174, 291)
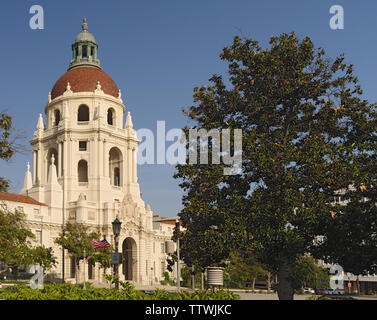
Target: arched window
(82, 169)
(83, 113)
(57, 117)
(115, 166)
(84, 52)
(110, 116)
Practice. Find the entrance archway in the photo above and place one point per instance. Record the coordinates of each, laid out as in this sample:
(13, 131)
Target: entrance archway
(129, 259)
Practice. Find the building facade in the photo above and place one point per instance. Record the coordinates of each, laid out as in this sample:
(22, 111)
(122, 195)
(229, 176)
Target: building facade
(85, 170)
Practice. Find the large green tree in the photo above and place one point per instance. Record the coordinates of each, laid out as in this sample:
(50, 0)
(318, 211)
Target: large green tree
(305, 130)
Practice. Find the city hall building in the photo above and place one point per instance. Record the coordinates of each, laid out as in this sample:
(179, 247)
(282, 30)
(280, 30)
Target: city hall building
(85, 171)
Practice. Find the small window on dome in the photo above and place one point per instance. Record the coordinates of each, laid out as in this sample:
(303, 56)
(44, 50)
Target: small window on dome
(84, 51)
(83, 113)
(110, 116)
(57, 117)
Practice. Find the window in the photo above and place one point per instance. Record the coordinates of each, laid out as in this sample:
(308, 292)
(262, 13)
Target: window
(110, 116)
(82, 145)
(115, 166)
(84, 51)
(162, 268)
(57, 117)
(163, 247)
(83, 113)
(20, 209)
(36, 212)
(82, 169)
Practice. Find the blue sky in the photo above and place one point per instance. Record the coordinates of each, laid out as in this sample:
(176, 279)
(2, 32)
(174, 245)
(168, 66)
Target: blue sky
(157, 52)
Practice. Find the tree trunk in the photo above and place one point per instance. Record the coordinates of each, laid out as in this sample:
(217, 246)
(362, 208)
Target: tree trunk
(202, 280)
(268, 282)
(253, 285)
(284, 287)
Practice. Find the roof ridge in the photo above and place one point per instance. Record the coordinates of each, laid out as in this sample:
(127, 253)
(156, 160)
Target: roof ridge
(15, 197)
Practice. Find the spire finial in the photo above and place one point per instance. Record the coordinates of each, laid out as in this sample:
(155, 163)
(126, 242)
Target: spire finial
(28, 166)
(129, 124)
(40, 125)
(84, 25)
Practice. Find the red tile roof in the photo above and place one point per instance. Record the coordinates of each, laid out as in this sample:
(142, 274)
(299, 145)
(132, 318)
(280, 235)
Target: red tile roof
(6, 196)
(84, 79)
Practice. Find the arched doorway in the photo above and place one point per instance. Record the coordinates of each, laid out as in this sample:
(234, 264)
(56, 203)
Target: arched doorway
(129, 259)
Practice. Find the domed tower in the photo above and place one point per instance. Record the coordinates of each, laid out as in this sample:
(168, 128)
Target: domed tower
(93, 152)
(85, 170)
(84, 49)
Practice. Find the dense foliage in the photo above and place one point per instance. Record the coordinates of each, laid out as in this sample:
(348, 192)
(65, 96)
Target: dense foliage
(74, 292)
(306, 135)
(17, 247)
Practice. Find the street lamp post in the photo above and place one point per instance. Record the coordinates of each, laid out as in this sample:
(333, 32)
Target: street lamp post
(116, 231)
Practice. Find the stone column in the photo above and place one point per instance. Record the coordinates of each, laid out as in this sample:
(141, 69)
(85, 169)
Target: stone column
(105, 160)
(134, 166)
(141, 264)
(100, 157)
(64, 160)
(35, 165)
(59, 160)
(39, 165)
(129, 164)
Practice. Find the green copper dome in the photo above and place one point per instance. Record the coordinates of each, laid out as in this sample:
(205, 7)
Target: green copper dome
(84, 49)
(85, 35)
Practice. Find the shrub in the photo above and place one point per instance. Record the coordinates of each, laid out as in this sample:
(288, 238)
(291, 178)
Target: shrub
(75, 292)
